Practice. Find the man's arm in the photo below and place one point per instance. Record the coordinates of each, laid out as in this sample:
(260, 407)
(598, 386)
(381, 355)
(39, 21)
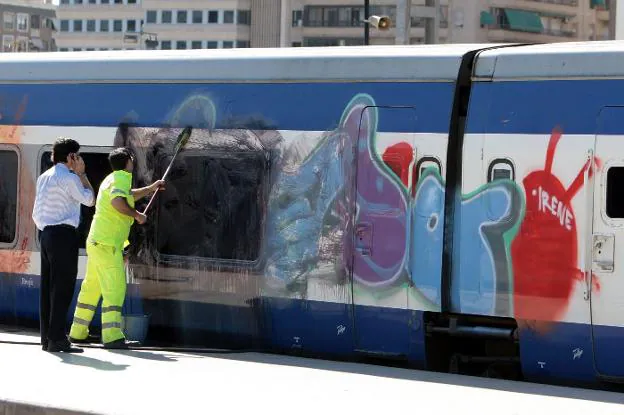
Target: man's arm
(121, 205)
(141, 192)
(81, 190)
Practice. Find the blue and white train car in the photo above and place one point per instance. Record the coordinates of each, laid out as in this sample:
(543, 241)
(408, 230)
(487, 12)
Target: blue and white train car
(455, 207)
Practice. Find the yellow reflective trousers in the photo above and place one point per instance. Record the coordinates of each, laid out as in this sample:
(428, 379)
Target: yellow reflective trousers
(105, 277)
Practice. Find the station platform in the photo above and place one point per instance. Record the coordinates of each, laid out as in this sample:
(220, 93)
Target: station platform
(100, 381)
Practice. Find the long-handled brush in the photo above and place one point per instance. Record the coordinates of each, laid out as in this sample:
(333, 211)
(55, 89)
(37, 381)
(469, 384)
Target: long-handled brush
(181, 142)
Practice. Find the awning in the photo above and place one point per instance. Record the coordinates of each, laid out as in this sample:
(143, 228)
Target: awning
(486, 18)
(524, 21)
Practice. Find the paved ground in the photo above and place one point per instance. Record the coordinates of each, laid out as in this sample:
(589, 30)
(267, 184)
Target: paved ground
(140, 382)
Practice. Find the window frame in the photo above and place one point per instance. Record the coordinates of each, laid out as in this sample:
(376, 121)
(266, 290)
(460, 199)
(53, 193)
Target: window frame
(169, 259)
(500, 160)
(612, 222)
(15, 149)
(83, 149)
(26, 18)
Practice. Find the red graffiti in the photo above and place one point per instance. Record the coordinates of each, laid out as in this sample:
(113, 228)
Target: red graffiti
(544, 253)
(398, 158)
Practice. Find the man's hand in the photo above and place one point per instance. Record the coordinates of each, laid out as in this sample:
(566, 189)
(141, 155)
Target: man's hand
(157, 185)
(140, 218)
(77, 165)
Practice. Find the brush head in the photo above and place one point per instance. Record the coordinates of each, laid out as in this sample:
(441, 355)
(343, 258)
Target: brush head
(183, 138)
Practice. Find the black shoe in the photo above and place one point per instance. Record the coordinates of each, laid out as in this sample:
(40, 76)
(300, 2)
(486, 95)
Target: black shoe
(44, 346)
(62, 346)
(121, 344)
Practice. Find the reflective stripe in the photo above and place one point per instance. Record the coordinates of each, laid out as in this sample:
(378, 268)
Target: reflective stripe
(111, 308)
(85, 306)
(111, 326)
(78, 320)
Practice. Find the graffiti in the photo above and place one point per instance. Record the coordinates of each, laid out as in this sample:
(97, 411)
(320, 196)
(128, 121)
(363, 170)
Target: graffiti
(544, 283)
(18, 260)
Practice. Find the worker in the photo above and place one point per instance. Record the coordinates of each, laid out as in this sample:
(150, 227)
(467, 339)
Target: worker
(108, 236)
(56, 212)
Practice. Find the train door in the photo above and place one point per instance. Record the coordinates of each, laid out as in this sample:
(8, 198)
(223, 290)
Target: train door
(607, 242)
(384, 167)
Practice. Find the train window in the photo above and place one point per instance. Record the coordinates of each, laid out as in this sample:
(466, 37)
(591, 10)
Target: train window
(423, 164)
(213, 205)
(9, 170)
(615, 196)
(97, 168)
(501, 169)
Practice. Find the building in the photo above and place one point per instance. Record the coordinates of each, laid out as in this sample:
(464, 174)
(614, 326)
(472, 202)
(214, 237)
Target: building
(128, 24)
(530, 21)
(195, 24)
(338, 22)
(27, 26)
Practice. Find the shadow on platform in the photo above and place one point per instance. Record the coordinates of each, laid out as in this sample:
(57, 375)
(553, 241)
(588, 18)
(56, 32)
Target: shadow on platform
(81, 360)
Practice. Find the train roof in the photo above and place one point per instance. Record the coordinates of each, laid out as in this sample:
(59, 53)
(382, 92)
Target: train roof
(597, 59)
(363, 63)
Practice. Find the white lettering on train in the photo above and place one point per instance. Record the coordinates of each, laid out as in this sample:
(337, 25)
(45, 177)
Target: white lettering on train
(548, 203)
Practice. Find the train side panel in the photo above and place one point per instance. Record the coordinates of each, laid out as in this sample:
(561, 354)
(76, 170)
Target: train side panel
(547, 253)
(251, 244)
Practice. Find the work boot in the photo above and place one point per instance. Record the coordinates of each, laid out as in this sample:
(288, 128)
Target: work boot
(90, 339)
(121, 344)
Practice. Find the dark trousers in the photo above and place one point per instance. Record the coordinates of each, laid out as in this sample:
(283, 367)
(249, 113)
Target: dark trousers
(59, 269)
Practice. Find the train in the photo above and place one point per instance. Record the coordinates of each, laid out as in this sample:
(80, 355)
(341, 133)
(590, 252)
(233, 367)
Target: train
(451, 208)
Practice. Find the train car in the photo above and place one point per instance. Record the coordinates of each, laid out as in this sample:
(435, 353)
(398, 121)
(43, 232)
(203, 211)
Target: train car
(448, 206)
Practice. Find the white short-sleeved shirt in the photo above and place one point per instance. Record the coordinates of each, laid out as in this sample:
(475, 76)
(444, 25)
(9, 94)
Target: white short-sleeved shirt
(59, 196)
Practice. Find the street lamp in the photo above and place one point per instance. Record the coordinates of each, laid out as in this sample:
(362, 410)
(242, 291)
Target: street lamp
(382, 23)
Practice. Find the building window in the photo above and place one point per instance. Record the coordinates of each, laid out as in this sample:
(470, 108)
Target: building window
(9, 173)
(165, 45)
(104, 1)
(166, 16)
(90, 49)
(228, 16)
(198, 16)
(211, 44)
(118, 1)
(117, 25)
(64, 25)
(181, 44)
(7, 43)
(297, 18)
(77, 25)
(244, 17)
(9, 21)
(77, 1)
(182, 16)
(63, 50)
(227, 44)
(90, 25)
(131, 26)
(339, 16)
(296, 44)
(209, 222)
(132, 1)
(213, 16)
(151, 16)
(64, 1)
(104, 26)
(196, 44)
(92, 1)
(242, 43)
(35, 21)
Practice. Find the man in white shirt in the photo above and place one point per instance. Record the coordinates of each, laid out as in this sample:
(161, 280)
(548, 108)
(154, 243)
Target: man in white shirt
(56, 213)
